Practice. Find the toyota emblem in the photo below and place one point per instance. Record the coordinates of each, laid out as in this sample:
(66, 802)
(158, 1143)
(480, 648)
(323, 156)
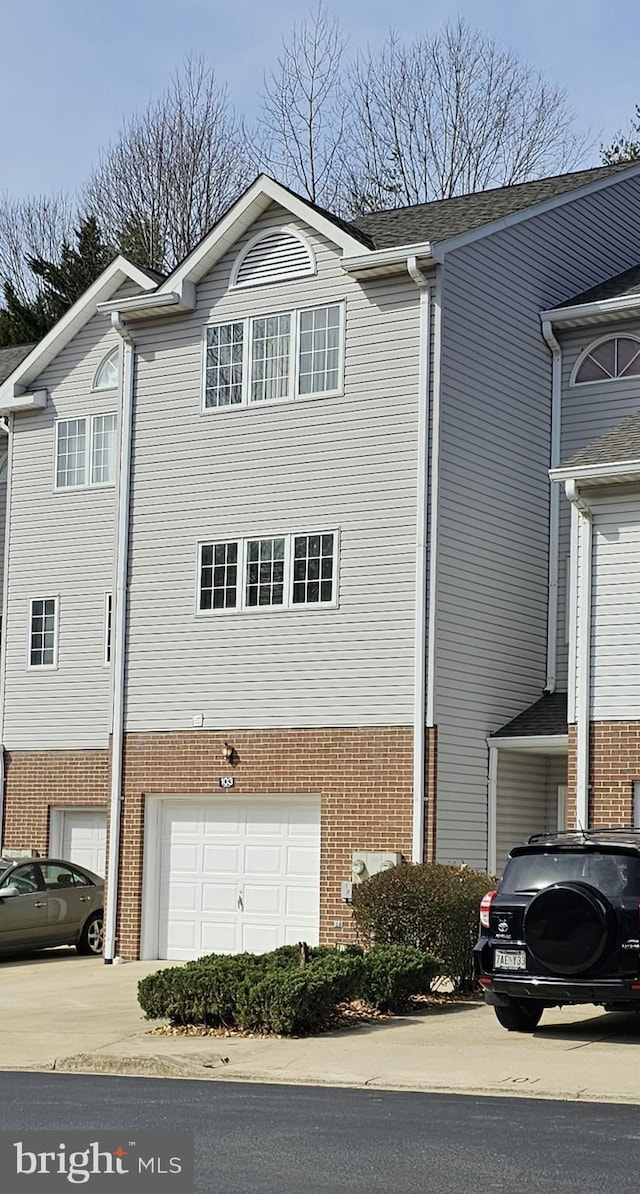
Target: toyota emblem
(503, 926)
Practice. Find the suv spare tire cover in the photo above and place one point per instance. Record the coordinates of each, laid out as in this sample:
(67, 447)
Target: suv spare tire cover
(568, 927)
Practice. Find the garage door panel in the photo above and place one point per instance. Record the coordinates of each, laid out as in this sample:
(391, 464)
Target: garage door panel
(221, 859)
(300, 901)
(260, 938)
(302, 860)
(83, 837)
(220, 897)
(238, 876)
(263, 860)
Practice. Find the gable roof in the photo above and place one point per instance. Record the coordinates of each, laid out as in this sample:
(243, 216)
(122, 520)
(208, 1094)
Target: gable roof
(444, 219)
(11, 357)
(623, 285)
(546, 717)
(620, 445)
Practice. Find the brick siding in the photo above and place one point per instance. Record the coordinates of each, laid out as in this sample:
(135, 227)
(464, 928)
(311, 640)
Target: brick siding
(614, 767)
(37, 781)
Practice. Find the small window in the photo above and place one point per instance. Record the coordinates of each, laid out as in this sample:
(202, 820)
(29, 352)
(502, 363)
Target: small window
(286, 572)
(273, 256)
(271, 358)
(108, 616)
(85, 451)
(615, 357)
(43, 632)
(108, 372)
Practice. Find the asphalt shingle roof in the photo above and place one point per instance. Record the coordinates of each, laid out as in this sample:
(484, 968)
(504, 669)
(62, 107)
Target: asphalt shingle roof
(11, 357)
(445, 218)
(627, 283)
(619, 444)
(547, 716)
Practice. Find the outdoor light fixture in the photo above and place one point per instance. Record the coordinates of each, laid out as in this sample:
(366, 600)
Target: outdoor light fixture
(227, 752)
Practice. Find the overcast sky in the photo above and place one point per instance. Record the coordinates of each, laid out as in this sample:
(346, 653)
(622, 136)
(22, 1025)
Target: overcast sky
(70, 69)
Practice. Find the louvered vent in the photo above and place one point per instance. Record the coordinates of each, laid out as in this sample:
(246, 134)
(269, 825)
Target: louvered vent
(275, 256)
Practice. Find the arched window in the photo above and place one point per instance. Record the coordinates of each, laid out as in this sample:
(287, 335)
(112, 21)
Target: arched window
(273, 256)
(108, 371)
(617, 356)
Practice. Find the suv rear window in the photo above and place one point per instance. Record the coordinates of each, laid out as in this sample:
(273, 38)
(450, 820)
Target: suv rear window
(614, 874)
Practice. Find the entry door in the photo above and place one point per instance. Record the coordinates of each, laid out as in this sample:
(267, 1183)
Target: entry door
(81, 837)
(237, 877)
(562, 806)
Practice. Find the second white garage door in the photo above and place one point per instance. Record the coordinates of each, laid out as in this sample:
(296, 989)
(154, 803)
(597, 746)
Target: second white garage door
(80, 835)
(237, 876)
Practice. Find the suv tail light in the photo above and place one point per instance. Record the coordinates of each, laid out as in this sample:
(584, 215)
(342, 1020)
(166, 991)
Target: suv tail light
(485, 908)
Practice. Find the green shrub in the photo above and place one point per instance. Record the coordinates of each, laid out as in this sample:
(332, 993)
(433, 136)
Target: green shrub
(393, 973)
(269, 992)
(431, 907)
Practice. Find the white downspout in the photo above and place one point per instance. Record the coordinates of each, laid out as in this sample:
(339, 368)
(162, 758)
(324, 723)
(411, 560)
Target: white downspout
(583, 655)
(554, 506)
(492, 811)
(420, 646)
(7, 427)
(119, 635)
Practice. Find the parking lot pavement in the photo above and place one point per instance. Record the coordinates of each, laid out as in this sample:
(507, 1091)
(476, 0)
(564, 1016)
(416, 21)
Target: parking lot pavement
(76, 1014)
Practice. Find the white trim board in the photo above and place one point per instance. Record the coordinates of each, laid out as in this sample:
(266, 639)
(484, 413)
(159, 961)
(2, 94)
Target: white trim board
(535, 744)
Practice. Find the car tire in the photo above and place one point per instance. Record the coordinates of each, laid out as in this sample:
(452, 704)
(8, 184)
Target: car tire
(91, 940)
(521, 1015)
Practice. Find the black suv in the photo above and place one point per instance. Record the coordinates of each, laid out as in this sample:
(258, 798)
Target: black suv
(563, 926)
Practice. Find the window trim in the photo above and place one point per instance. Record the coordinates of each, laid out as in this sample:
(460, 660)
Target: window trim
(269, 279)
(288, 605)
(44, 667)
(95, 388)
(603, 381)
(88, 483)
(294, 359)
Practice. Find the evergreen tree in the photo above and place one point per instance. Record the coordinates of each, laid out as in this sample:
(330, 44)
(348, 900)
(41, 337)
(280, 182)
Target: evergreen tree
(60, 283)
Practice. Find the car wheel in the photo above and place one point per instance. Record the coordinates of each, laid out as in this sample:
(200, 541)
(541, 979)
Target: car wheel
(92, 936)
(522, 1015)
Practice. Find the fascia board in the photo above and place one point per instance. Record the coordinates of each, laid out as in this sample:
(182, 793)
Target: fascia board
(534, 744)
(607, 308)
(241, 216)
(528, 213)
(596, 472)
(377, 258)
(66, 328)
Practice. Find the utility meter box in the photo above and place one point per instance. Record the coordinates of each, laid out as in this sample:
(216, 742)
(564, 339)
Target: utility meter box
(365, 863)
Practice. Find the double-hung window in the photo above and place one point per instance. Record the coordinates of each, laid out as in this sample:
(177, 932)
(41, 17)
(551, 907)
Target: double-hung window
(285, 572)
(43, 631)
(272, 358)
(85, 451)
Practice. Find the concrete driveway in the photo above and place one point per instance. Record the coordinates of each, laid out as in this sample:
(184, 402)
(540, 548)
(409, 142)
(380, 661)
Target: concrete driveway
(60, 1011)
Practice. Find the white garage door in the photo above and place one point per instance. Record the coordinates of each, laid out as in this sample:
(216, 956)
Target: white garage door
(237, 877)
(83, 838)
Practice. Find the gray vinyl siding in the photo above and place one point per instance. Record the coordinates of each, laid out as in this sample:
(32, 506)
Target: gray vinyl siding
(61, 544)
(588, 411)
(3, 526)
(527, 798)
(345, 463)
(495, 439)
(615, 610)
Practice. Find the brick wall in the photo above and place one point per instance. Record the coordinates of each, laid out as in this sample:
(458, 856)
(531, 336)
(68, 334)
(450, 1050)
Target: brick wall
(363, 776)
(36, 781)
(614, 767)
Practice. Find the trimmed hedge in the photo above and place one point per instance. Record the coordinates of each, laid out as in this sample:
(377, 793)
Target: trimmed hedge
(274, 992)
(429, 906)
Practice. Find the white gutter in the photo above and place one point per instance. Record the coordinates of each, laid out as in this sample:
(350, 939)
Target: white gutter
(596, 472)
(119, 635)
(583, 656)
(380, 258)
(7, 427)
(184, 300)
(554, 507)
(607, 308)
(420, 646)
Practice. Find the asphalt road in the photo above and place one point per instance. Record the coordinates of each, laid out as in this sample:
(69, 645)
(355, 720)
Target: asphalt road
(254, 1139)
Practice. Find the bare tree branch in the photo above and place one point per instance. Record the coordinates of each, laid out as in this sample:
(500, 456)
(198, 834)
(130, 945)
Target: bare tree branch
(33, 227)
(173, 170)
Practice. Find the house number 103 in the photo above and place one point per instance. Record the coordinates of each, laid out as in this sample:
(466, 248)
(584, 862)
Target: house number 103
(227, 781)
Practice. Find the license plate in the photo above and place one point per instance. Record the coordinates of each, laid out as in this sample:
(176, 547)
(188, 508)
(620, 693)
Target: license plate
(509, 959)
